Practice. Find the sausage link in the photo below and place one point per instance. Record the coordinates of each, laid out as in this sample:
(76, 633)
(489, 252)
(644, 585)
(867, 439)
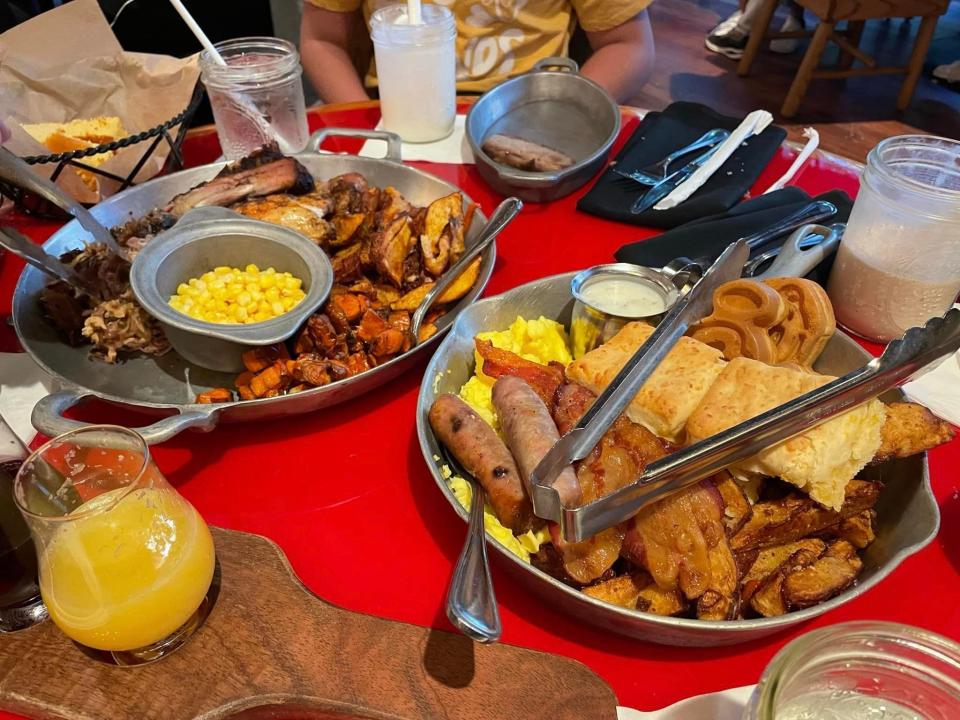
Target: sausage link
(482, 453)
(531, 432)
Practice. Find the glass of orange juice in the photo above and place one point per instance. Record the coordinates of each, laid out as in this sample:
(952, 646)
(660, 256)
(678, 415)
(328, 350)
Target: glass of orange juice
(125, 562)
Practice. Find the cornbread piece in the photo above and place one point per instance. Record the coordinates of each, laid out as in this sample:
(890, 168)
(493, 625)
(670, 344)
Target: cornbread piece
(672, 392)
(820, 461)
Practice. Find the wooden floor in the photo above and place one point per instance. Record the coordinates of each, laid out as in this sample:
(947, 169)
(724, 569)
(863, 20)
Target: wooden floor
(852, 115)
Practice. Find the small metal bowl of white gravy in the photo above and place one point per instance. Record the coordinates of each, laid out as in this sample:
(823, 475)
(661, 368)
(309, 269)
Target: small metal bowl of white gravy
(607, 297)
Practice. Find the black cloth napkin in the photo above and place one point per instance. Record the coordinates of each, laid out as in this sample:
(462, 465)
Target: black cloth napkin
(709, 236)
(660, 134)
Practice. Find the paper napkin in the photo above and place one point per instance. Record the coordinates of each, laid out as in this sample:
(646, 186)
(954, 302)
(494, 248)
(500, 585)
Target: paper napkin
(22, 384)
(939, 389)
(725, 705)
(753, 124)
(452, 149)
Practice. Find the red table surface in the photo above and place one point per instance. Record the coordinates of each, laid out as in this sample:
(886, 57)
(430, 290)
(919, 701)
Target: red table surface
(346, 494)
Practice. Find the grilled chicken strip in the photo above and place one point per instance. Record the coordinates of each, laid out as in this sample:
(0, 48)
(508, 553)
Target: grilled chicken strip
(482, 453)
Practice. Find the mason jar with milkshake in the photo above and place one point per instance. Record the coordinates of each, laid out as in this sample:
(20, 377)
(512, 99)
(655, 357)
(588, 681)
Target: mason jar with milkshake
(899, 262)
(415, 52)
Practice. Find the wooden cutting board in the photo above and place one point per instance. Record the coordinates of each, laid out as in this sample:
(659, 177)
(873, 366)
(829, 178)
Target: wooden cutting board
(271, 649)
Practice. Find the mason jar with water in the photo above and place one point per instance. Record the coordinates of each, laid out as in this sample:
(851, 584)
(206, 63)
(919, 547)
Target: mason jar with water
(256, 93)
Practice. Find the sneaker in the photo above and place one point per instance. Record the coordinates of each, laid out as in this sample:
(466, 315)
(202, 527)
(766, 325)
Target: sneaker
(786, 46)
(730, 43)
(727, 25)
(948, 75)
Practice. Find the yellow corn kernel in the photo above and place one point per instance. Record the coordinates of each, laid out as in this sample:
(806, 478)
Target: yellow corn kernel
(222, 270)
(252, 269)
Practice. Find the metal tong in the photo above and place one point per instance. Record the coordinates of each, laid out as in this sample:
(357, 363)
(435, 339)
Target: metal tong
(902, 359)
(814, 212)
(19, 173)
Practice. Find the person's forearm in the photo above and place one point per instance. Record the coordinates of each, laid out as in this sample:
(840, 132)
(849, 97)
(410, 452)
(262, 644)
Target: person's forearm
(621, 69)
(331, 71)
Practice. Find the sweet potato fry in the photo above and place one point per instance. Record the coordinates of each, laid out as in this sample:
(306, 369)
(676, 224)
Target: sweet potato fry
(246, 393)
(388, 343)
(274, 377)
(371, 325)
(542, 378)
(216, 395)
(351, 304)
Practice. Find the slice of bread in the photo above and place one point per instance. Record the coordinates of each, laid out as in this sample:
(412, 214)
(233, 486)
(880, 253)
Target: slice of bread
(79, 135)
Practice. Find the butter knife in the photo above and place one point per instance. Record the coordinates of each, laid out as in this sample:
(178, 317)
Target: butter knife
(579, 441)
(670, 183)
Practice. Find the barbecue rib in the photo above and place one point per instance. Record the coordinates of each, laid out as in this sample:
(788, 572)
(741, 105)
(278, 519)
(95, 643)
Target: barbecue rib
(264, 172)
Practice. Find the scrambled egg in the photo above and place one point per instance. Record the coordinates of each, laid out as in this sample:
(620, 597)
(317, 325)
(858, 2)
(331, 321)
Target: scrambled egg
(541, 341)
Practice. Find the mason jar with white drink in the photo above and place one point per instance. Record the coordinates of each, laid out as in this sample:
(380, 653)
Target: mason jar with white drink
(416, 71)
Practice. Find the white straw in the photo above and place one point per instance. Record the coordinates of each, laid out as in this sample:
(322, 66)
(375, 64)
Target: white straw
(414, 16)
(242, 102)
(198, 31)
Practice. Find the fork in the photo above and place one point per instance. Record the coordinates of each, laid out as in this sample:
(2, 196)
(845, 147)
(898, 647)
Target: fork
(653, 174)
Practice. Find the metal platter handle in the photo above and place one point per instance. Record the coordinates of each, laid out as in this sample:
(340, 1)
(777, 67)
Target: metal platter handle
(555, 63)
(48, 418)
(394, 144)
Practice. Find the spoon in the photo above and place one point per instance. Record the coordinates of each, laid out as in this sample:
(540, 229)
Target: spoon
(471, 602)
(502, 216)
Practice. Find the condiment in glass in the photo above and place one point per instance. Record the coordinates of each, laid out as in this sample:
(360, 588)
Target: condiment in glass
(125, 561)
(610, 296)
(859, 670)
(257, 97)
(898, 264)
(416, 71)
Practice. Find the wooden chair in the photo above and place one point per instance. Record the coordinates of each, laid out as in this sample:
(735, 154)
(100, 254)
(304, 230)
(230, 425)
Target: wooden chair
(854, 13)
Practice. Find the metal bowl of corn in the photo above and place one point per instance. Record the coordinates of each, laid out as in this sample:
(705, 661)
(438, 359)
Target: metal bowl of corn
(220, 283)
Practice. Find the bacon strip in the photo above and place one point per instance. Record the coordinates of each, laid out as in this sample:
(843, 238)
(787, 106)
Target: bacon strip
(544, 379)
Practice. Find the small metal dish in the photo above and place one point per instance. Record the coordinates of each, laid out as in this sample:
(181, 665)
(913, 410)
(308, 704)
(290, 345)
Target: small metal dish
(209, 237)
(554, 106)
(590, 325)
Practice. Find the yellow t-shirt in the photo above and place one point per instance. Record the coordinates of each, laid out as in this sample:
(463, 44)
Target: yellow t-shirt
(500, 38)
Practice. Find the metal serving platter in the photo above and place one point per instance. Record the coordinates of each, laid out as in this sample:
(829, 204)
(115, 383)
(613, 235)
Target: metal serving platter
(169, 382)
(908, 516)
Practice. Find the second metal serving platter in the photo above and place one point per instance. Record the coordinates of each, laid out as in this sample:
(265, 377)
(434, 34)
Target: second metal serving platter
(169, 383)
(907, 514)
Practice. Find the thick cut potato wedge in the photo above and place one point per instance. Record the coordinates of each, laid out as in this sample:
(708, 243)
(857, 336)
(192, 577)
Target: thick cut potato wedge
(768, 600)
(623, 590)
(460, 287)
(769, 560)
(831, 574)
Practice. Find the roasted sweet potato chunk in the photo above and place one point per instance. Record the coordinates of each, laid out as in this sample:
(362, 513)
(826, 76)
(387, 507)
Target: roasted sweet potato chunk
(216, 395)
(371, 325)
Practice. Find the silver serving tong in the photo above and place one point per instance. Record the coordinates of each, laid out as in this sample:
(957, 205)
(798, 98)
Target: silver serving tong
(685, 268)
(902, 360)
(32, 253)
(578, 443)
(17, 172)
